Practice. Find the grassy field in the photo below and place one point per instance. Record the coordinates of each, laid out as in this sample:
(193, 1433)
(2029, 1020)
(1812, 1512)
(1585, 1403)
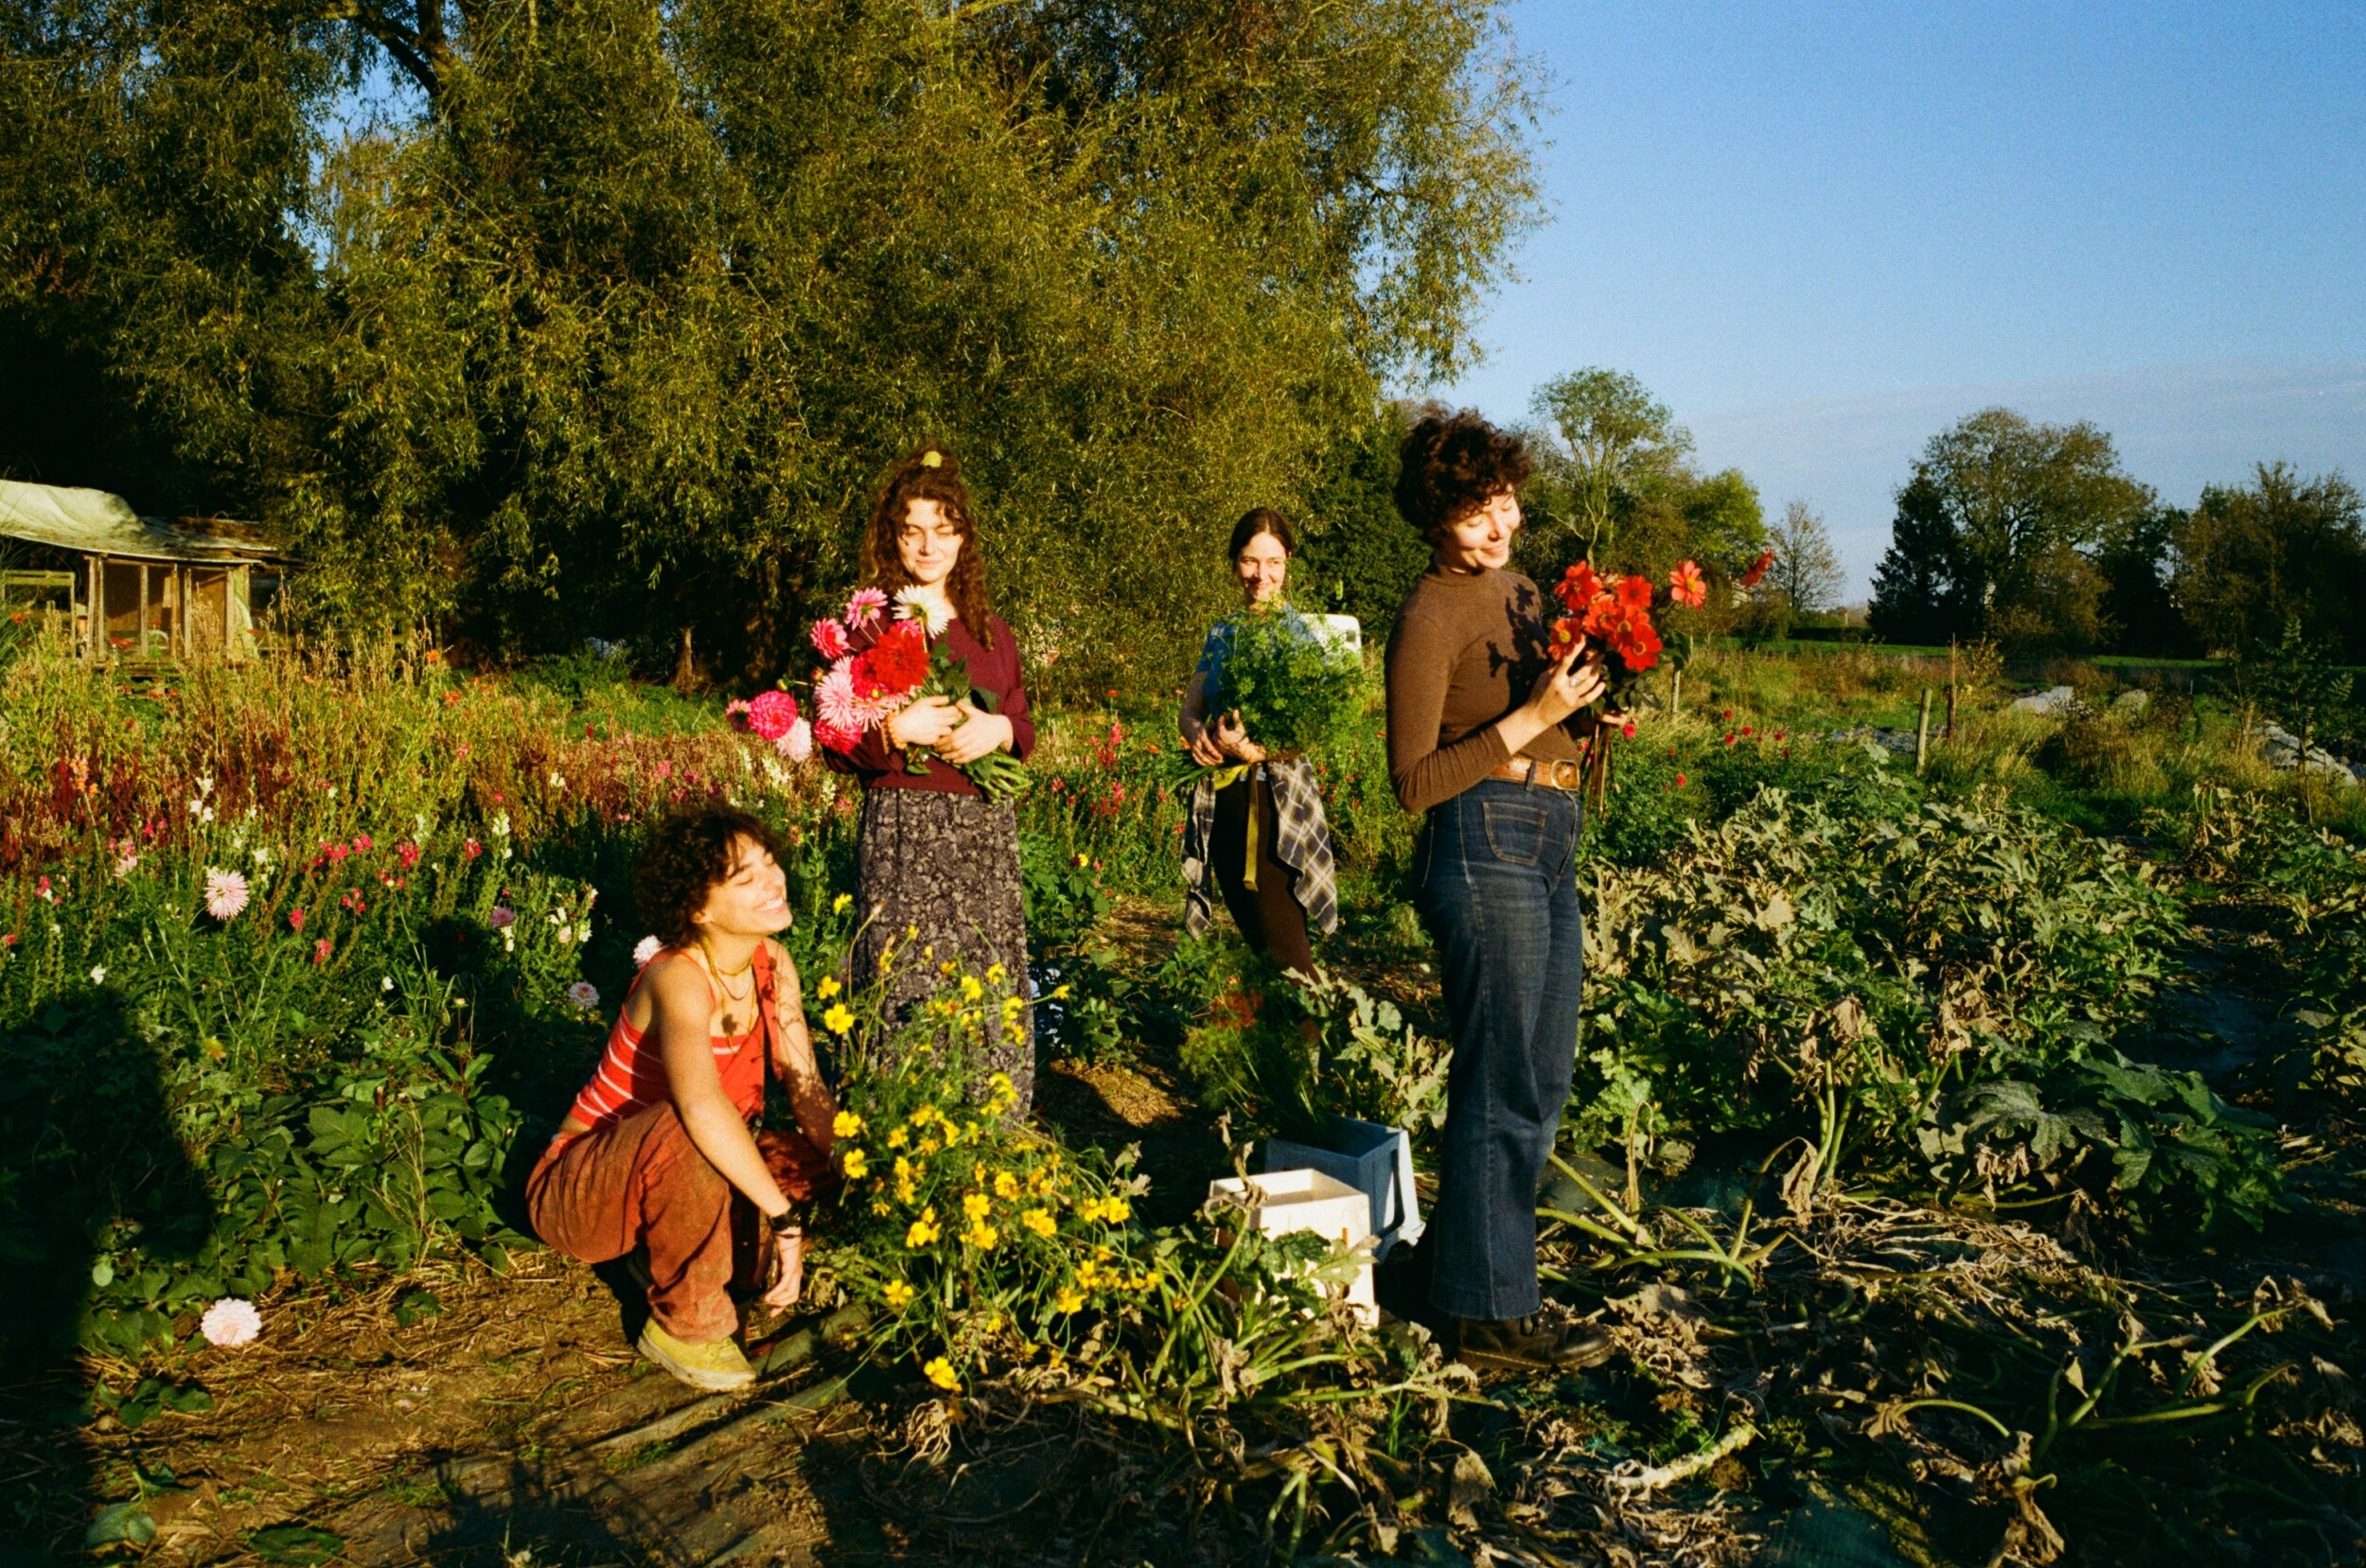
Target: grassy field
(1964, 1163)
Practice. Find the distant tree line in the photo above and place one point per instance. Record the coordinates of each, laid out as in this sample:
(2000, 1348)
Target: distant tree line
(2032, 535)
(538, 319)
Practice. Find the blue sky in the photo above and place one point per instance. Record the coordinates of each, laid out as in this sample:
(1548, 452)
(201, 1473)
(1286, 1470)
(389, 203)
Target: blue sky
(1823, 232)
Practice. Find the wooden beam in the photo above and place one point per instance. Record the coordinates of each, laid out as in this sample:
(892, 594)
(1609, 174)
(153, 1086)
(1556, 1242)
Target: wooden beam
(139, 640)
(97, 606)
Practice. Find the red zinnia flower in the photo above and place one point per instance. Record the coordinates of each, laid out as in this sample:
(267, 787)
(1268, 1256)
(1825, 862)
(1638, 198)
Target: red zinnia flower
(1758, 570)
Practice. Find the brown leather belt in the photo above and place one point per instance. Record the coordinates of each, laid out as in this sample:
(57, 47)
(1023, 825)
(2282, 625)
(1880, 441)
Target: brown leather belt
(1547, 773)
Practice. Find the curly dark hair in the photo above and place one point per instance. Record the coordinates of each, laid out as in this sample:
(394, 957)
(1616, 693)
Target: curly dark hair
(930, 473)
(690, 853)
(1452, 464)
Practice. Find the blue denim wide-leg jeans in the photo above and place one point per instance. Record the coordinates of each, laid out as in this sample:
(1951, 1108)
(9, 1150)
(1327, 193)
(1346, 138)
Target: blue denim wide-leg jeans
(1495, 870)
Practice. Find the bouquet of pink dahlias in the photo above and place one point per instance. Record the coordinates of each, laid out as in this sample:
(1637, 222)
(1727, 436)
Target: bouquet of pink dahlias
(774, 716)
(878, 667)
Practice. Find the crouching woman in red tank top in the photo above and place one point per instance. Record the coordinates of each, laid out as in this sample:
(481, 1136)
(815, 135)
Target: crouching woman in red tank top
(657, 1161)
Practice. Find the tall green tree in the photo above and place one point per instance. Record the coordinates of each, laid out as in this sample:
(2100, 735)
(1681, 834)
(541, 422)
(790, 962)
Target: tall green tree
(1617, 444)
(1996, 531)
(610, 318)
(2251, 559)
(1615, 483)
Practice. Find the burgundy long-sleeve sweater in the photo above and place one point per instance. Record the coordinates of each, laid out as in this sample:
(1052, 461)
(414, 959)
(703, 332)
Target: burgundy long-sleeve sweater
(880, 765)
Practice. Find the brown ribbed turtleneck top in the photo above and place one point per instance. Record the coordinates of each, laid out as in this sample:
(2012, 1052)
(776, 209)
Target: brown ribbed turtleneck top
(1466, 649)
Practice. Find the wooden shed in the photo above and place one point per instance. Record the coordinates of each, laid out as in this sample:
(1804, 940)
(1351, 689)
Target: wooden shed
(133, 587)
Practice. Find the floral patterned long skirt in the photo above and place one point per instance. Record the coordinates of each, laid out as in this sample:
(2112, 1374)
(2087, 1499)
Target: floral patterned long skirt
(937, 879)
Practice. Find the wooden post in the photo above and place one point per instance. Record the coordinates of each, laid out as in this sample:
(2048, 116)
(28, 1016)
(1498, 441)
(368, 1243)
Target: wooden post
(1951, 691)
(1676, 693)
(98, 608)
(139, 640)
(1922, 732)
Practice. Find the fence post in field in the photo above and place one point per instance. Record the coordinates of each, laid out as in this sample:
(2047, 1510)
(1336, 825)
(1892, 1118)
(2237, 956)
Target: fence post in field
(1922, 732)
(1951, 691)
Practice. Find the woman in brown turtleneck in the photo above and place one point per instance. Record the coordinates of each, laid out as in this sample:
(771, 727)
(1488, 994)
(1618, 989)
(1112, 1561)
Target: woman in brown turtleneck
(1481, 722)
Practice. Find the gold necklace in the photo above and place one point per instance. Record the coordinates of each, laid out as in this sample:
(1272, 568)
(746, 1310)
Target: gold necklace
(724, 976)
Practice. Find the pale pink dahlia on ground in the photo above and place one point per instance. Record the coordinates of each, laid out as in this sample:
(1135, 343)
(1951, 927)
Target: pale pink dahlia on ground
(225, 893)
(231, 1321)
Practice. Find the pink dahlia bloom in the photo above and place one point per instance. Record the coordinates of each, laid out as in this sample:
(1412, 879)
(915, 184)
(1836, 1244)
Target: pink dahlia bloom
(863, 609)
(500, 916)
(225, 893)
(583, 993)
(842, 710)
(836, 738)
(798, 744)
(829, 640)
(772, 715)
(231, 1321)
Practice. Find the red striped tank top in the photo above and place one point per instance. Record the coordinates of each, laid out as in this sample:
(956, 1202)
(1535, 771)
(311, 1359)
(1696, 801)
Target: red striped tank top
(631, 1073)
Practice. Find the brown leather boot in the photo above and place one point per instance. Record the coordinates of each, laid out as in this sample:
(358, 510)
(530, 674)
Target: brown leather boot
(1529, 1345)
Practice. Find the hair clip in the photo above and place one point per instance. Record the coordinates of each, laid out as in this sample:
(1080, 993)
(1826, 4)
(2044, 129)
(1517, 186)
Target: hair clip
(932, 459)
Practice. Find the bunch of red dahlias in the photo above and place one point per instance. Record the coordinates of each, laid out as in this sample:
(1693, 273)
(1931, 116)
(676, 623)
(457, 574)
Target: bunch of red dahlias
(1614, 614)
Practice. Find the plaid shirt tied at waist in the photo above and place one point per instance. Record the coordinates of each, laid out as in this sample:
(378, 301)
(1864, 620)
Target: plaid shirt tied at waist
(1302, 844)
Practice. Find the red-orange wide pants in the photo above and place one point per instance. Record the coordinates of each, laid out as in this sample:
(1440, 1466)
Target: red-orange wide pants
(640, 1182)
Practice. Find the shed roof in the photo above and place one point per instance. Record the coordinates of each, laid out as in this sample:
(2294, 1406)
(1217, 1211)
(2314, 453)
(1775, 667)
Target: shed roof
(100, 523)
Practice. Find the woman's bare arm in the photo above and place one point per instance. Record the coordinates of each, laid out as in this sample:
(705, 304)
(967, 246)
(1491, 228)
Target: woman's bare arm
(682, 1013)
(793, 1058)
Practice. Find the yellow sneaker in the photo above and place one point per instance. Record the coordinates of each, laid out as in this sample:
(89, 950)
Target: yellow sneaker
(717, 1365)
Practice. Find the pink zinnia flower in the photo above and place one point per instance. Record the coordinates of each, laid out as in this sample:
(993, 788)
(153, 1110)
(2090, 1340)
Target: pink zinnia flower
(501, 915)
(296, 920)
(231, 1321)
(320, 951)
(829, 640)
(645, 949)
(225, 893)
(772, 715)
(842, 710)
(798, 744)
(864, 608)
(1686, 586)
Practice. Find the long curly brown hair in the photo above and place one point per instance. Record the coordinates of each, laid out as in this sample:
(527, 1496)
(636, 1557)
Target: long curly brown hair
(930, 473)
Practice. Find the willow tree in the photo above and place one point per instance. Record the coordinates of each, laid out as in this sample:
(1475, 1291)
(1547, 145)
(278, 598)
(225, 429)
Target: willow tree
(604, 317)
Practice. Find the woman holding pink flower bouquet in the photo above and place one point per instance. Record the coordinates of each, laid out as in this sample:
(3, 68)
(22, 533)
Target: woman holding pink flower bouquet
(937, 852)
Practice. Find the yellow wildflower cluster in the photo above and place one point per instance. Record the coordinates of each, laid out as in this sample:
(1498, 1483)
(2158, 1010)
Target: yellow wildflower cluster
(1096, 1276)
(939, 1371)
(1110, 1211)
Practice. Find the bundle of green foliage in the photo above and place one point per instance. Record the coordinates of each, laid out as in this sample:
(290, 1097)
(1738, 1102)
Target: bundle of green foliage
(1295, 689)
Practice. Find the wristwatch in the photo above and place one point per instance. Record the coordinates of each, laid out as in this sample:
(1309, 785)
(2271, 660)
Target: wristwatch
(785, 1223)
